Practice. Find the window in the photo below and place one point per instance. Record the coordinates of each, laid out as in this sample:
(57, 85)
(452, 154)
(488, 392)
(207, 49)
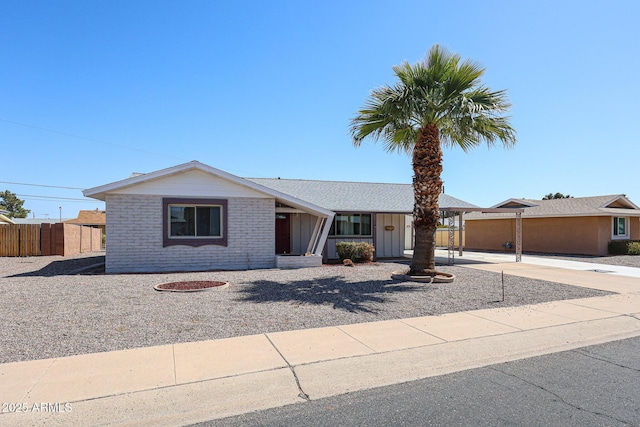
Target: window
(194, 222)
(351, 225)
(620, 227)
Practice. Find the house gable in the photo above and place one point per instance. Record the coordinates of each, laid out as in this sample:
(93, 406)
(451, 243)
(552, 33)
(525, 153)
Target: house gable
(620, 202)
(192, 182)
(514, 203)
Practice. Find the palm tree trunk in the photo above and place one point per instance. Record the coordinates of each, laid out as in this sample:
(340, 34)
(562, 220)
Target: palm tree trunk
(427, 186)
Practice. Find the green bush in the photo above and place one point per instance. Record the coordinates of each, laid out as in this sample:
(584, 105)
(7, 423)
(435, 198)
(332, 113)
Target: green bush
(634, 248)
(355, 251)
(346, 250)
(618, 247)
(624, 247)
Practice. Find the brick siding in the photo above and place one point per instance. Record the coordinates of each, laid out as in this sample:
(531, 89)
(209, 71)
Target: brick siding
(134, 237)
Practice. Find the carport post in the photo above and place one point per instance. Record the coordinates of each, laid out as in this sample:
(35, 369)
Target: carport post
(460, 234)
(518, 236)
(450, 246)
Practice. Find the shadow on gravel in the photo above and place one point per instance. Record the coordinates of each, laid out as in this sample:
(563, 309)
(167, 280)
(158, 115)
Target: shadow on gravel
(88, 266)
(342, 295)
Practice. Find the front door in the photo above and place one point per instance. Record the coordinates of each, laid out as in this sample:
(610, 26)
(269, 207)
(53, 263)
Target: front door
(283, 234)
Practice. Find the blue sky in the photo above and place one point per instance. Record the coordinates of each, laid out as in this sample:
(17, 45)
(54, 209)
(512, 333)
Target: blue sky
(91, 91)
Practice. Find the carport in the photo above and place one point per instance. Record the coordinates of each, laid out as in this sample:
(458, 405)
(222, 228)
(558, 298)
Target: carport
(453, 211)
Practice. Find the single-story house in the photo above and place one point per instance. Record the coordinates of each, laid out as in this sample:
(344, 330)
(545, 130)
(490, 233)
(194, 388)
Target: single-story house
(580, 225)
(90, 218)
(196, 217)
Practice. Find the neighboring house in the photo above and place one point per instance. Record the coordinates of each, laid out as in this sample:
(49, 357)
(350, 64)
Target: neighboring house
(95, 219)
(580, 225)
(196, 217)
(4, 219)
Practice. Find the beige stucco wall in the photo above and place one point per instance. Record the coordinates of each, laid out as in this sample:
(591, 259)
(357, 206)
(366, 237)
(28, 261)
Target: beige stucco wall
(574, 235)
(634, 230)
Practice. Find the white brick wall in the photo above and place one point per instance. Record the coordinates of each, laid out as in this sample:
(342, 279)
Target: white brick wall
(134, 237)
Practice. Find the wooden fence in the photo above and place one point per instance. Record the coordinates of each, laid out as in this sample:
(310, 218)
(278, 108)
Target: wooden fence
(19, 239)
(48, 239)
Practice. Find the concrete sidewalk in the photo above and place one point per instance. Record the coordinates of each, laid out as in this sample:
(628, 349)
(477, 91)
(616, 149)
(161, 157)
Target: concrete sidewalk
(186, 383)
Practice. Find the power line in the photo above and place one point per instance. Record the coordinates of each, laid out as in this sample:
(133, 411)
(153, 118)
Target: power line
(56, 198)
(41, 185)
(87, 139)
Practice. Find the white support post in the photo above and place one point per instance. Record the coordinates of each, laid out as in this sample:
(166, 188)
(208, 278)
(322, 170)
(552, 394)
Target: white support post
(314, 236)
(317, 250)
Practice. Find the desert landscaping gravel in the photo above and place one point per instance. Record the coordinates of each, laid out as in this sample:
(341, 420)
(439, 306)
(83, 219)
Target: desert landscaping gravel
(48, 308)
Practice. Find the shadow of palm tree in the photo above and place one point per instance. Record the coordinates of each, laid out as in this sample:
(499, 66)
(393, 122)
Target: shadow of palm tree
(335, 291)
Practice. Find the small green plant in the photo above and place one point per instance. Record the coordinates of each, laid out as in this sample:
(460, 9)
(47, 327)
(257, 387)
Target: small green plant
(355, 251)
(624, 247)
(633, 248)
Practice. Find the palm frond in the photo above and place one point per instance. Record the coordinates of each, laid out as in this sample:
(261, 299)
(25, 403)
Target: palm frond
(443, 91)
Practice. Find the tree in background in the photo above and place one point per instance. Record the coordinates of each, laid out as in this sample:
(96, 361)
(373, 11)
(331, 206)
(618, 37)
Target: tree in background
(440, 100)
(11, 203)
(551, 196)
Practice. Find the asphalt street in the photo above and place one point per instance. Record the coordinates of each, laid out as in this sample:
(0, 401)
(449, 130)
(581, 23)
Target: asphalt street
(590, 386)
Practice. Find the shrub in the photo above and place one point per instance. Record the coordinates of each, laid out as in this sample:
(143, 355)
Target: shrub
(366, 251)
(618, 247)
(355, 251)
(624, 247)
(633, 248)
(346, 250)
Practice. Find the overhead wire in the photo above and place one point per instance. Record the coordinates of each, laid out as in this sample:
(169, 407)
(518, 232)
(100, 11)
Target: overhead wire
(88, 139)
(104, 142)
(43, 198)
(41, 185)
(55, 198)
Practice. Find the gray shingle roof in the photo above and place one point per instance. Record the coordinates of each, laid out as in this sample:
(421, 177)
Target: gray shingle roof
(340, 196)
(616, 204)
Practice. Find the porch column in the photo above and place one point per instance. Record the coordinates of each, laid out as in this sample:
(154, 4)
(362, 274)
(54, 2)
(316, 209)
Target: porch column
(314, 236)
(319, 246)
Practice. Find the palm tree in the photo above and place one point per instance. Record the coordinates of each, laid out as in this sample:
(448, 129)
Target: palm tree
(440, 100)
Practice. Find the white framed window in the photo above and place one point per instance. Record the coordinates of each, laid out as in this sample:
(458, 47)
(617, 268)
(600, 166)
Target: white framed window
(194, 222)
(620, 227)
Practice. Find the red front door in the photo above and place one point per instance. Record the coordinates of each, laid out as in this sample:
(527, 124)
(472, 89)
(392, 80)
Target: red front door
(283, 234)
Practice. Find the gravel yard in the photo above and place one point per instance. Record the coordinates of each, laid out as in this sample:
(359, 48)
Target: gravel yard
(49, 309)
